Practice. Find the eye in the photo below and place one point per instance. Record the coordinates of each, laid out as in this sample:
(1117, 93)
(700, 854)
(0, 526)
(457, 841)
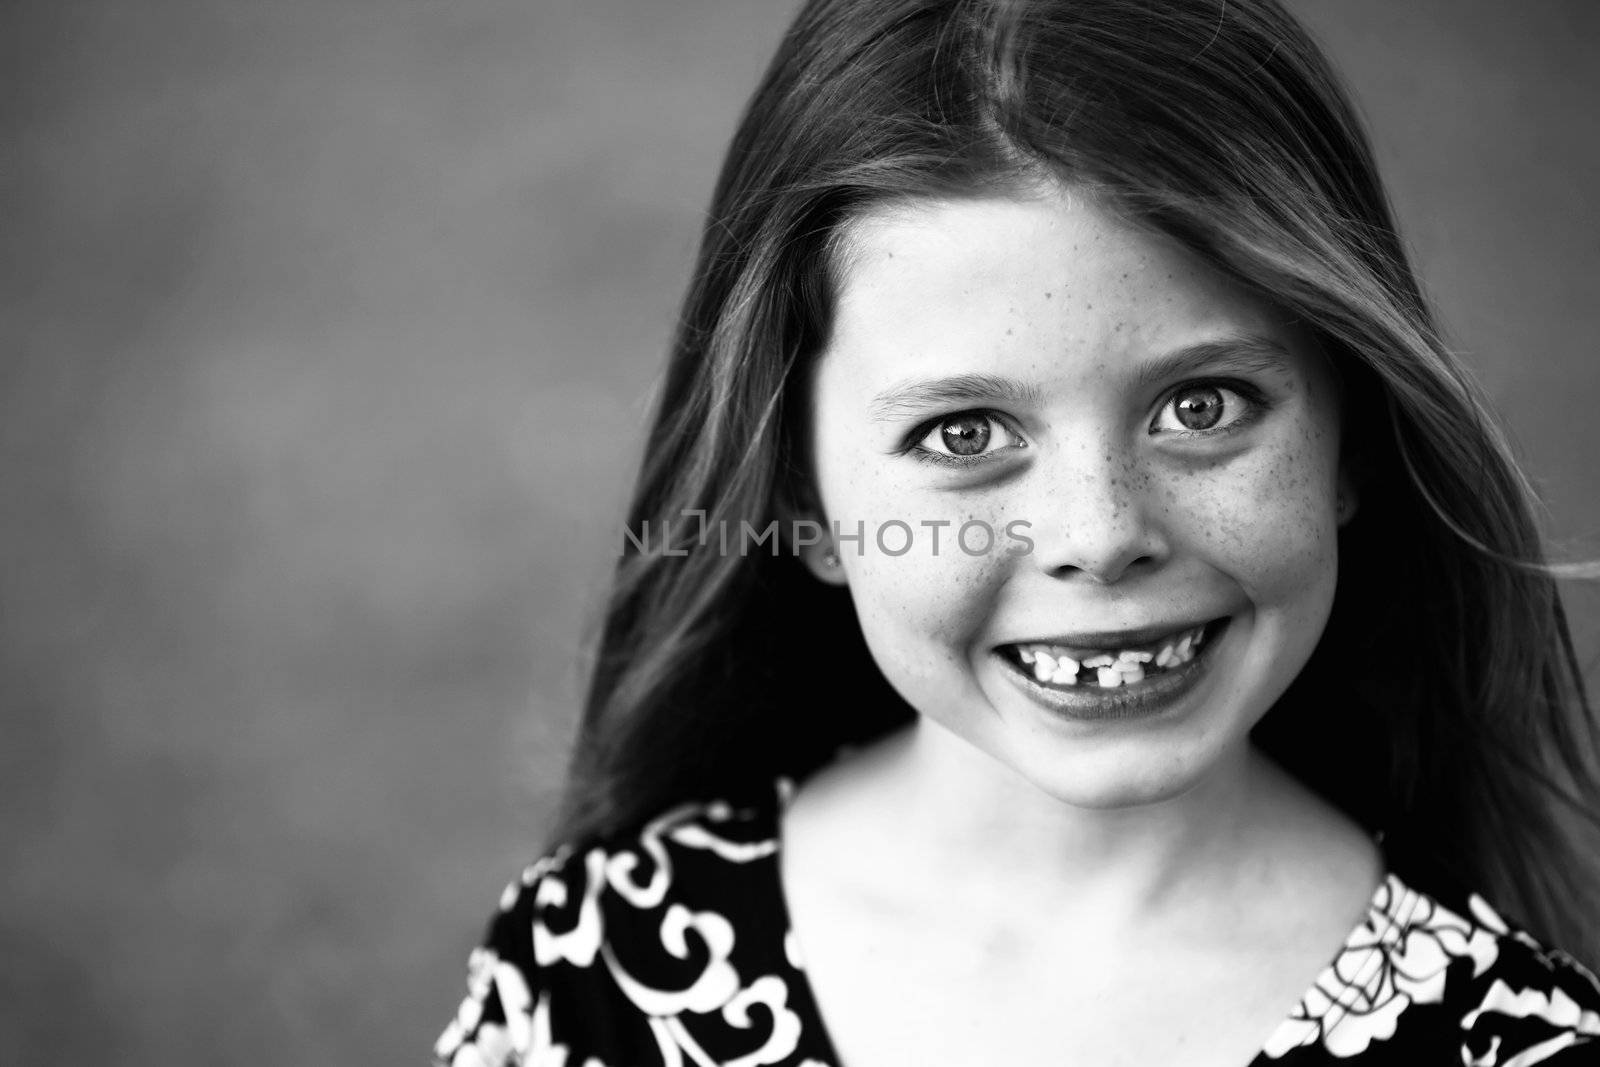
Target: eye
(1205, 407)
(963, 437)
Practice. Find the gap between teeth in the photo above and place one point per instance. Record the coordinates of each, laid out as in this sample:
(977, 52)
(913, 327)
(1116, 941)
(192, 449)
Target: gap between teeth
(1110, 671)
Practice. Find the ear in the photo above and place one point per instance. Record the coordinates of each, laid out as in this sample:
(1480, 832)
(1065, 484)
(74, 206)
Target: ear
(811, 539)
(1348, 496)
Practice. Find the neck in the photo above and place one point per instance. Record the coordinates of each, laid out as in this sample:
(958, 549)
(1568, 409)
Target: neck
(985, 834)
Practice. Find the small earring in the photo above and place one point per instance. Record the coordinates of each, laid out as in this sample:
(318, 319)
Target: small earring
(830, 559)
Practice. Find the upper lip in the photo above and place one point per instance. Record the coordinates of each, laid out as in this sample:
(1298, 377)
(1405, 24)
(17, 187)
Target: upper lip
(1142, 635)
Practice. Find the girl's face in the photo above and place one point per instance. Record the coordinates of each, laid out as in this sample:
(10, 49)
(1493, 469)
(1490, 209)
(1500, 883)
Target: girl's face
(1154, 451)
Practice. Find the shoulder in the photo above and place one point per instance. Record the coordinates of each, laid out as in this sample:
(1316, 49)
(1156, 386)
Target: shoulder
(1440, 971)
(1528, 1002)
(590, 943)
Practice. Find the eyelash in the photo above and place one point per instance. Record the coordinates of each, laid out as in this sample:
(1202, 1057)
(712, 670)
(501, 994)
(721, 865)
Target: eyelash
(914, 446)
(1255, 404)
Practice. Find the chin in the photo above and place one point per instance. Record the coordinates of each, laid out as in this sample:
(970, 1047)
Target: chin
(1119, 780)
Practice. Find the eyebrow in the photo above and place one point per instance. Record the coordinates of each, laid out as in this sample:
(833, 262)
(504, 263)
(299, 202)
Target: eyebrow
(1242, 353)
(914, 397)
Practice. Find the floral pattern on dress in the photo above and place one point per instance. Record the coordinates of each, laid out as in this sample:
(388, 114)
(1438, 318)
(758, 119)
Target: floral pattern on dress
(1535, 1019)
(671, 947)
(1397, 957)
(609, 932)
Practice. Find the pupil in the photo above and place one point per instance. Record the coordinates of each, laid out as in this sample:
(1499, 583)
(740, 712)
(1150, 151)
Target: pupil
(966, 435)
(1199, 408)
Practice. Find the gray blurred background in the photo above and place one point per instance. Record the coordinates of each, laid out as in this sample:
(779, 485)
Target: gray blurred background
(329, 327)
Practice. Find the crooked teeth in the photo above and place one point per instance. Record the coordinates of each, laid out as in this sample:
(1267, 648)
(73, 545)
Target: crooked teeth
(1179, 654)
(1109, 671)
(1058, 670)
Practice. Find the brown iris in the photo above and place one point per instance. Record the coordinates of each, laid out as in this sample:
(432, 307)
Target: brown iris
(965, 435)
(1198, 407)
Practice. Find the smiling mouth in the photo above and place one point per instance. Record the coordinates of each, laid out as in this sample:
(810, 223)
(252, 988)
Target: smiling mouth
(1059, 667)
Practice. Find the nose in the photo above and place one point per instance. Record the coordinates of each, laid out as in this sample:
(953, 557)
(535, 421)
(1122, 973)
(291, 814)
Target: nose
(1101, 520)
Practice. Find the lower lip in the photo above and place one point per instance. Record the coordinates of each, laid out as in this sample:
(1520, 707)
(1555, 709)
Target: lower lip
(1143, 699)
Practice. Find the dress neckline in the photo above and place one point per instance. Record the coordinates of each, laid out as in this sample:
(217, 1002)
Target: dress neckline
(1338, 988)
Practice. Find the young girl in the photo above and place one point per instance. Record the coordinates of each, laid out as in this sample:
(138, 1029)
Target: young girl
(1074, 609)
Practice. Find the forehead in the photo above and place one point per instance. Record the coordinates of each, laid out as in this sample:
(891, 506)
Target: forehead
(1057, 270)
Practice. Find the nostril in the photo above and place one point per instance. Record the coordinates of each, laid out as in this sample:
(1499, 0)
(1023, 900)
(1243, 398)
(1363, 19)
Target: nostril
(1104, 560)
(1106, 569)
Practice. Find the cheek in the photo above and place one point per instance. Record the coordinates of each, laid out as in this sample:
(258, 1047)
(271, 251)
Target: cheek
(924, 618)
(1267, 517)
(923, 599)
(938, 598)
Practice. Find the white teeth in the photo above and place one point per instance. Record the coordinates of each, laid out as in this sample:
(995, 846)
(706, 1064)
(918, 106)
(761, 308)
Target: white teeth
(1176, 653)
(1110, 670)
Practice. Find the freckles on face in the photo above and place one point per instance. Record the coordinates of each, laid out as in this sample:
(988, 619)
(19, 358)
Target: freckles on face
(1048, 423)
(1269, 517)
(1265, 519)
(921, 609)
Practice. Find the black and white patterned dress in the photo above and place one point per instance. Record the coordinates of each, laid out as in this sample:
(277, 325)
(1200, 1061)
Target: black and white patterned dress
(672, 948)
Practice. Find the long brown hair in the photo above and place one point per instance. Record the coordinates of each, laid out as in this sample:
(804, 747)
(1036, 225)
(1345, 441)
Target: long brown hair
(1443, 705)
